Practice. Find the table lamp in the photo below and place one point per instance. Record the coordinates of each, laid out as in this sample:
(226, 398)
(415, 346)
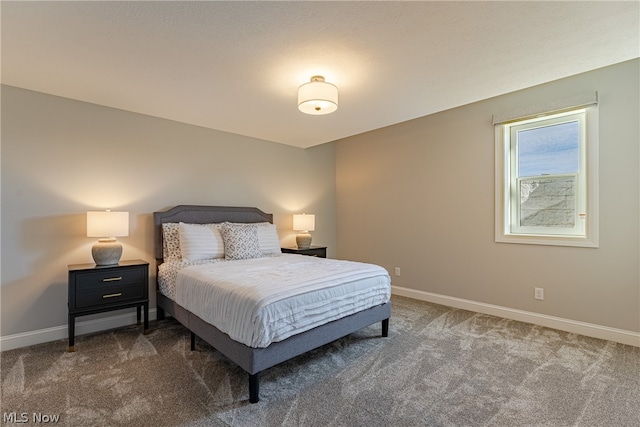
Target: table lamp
(107, 225)
(304, 223)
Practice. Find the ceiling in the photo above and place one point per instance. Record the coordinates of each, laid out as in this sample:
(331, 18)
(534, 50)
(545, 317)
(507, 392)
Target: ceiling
(236, 66)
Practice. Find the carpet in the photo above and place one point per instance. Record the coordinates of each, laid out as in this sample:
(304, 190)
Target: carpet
(439, 366)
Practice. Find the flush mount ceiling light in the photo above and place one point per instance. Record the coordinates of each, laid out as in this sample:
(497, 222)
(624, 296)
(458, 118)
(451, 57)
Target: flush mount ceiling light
(317, 97)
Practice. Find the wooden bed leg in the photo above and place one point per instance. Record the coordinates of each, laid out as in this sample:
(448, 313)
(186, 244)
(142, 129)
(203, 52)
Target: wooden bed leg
(385, 328)
(193, 341)
(254, 388)
(159, 313)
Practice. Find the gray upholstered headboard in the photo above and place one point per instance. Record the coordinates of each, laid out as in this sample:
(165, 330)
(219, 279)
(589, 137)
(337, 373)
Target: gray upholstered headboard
(203, 215)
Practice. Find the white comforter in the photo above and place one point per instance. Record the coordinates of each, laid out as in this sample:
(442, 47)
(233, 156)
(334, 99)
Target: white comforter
(265, 300)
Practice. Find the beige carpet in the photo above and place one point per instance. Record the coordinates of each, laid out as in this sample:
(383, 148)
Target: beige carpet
(439, 367)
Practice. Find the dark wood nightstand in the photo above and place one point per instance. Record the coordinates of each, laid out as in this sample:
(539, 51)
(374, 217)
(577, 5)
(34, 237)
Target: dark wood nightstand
(319, 251)
(95, 289)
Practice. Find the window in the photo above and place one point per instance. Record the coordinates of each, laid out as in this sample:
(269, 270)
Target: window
(546, 179)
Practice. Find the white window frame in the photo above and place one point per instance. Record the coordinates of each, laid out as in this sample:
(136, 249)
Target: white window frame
(507, 229)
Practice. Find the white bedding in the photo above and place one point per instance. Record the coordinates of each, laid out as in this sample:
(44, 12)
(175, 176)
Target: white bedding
(264, 300)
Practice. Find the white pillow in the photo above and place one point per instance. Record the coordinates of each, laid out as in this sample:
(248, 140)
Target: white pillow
(200, 241)
(240, 241)
(268, 239)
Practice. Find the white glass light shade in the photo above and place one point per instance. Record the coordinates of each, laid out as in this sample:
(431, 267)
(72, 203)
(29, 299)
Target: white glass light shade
(304, 222)
(317, 97)
(107, 224)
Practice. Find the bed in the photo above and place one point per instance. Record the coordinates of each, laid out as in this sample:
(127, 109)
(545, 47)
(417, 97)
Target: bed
(252, 356)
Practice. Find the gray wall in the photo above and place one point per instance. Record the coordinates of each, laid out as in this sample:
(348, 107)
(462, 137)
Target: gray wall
(420, 196)
(61, 158)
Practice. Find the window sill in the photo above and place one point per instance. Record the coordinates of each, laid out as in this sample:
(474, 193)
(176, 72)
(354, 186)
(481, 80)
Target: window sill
(581, 242)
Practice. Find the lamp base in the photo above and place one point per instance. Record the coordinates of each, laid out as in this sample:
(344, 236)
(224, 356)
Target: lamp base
(106, 252)
(303, 240)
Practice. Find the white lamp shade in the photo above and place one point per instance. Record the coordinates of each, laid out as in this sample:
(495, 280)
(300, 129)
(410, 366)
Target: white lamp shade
(107, 224)
(317, 97)
(304, 222)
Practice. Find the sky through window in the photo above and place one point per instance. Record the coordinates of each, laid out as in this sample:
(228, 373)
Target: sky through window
(549, 150)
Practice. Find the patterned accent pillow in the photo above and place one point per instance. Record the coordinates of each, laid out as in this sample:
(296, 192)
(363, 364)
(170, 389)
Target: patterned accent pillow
(170, 242)
(240, 241)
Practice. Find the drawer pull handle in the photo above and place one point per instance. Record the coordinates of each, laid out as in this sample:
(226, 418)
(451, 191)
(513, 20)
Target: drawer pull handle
(112, 279)
(112, 295)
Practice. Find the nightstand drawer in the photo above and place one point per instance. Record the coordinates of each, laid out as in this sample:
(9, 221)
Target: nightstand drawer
(110, 286)
(106, 279)
(108, 295)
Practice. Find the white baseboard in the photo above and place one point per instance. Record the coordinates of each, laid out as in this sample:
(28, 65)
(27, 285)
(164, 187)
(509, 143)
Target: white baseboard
(589, 329)
(40, 336)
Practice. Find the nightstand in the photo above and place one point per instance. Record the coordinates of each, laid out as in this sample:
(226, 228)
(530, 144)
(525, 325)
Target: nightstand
(319, 251)
(96, 289)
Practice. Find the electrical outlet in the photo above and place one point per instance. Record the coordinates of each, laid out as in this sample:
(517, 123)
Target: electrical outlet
(397, 272)
(538, 293)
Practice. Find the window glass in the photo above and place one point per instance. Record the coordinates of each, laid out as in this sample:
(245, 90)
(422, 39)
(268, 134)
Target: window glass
(549, 150)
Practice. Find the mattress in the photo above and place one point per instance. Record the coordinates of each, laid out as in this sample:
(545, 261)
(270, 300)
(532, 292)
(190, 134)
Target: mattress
(263, 300)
